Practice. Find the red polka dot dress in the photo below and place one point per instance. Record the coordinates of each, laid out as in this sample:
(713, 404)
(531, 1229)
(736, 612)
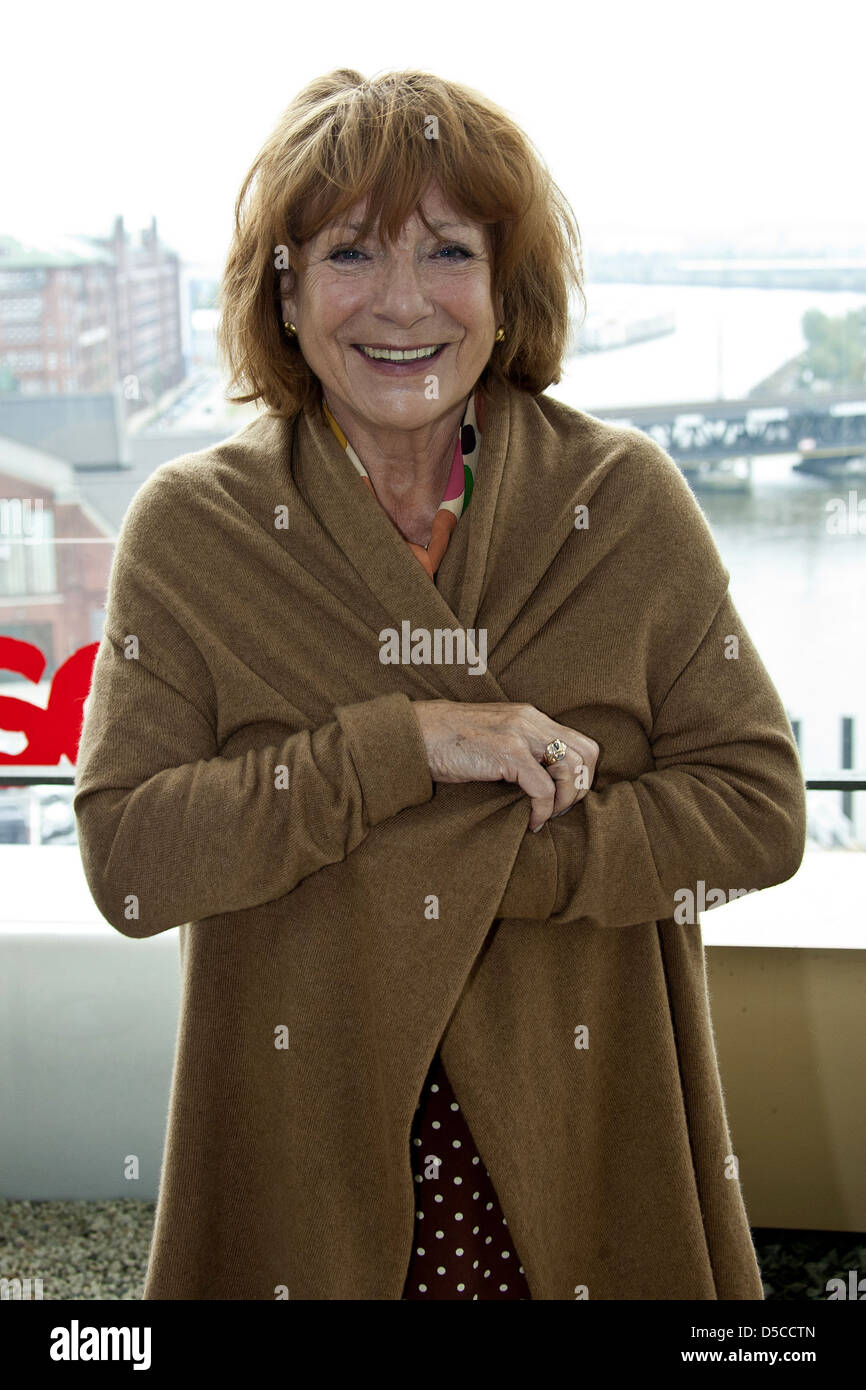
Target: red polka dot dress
(461, 1246)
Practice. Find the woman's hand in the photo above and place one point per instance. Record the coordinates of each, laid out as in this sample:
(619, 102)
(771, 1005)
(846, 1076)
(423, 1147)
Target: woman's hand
(506, 742)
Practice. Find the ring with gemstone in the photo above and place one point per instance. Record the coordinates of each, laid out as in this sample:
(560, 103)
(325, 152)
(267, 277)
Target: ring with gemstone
(554, 752)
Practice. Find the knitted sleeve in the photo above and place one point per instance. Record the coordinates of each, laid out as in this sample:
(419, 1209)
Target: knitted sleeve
(725, 803)
(169, 830)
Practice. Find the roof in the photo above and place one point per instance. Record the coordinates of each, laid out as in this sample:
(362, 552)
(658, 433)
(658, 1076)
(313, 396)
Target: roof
(57, 475)
(54, 252)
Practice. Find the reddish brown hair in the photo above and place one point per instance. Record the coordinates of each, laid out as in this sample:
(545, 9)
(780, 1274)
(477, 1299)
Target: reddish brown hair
(344, 138)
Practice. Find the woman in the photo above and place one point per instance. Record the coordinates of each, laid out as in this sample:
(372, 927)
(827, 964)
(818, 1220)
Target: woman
(422, 1052)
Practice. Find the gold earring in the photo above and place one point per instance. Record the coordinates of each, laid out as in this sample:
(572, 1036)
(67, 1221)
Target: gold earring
(290, 329)
(500, 334)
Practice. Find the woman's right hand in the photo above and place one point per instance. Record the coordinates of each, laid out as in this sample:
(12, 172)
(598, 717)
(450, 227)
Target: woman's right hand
(505, 742)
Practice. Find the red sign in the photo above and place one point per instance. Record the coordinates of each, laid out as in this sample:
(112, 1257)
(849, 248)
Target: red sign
(55, 730)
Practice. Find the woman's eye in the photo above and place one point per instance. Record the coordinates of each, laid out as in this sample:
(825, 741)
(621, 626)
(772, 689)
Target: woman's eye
(461, 250)
(339, 254)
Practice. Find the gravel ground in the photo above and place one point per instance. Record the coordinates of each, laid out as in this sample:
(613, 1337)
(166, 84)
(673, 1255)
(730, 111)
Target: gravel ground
(81, 1250)
(98, 1250)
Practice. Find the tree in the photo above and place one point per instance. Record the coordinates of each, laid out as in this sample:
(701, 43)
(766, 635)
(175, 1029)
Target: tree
(836, 351)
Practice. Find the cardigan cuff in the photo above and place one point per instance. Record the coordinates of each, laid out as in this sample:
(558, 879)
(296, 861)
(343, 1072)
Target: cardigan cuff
(531, 890)
(387, 748)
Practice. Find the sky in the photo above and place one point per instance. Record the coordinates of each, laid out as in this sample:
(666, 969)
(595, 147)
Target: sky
(660, 121)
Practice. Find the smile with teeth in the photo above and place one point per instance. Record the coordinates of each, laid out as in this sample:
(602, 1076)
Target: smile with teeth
(399, 354)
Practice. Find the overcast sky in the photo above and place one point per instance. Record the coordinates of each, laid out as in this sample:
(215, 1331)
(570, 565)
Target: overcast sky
(656, 118)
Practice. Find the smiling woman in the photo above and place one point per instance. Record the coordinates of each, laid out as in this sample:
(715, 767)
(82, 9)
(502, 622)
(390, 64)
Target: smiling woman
(406, 255)
(423, 1053)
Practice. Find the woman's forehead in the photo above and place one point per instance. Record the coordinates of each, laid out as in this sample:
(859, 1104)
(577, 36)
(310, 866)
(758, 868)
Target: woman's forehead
(440, 213)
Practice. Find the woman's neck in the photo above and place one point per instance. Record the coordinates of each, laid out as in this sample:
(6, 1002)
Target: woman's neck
(409, 469)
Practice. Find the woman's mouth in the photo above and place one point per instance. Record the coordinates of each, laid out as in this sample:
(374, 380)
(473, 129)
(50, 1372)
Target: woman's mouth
(399, 361)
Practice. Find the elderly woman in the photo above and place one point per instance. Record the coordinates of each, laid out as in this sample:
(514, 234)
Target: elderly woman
(423, 710)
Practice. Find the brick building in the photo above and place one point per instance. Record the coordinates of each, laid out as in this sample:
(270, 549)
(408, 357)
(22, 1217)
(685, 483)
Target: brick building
(55, 555)
(86, 313)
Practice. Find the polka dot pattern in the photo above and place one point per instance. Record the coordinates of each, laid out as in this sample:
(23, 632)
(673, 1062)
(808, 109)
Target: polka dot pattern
(461, 1247)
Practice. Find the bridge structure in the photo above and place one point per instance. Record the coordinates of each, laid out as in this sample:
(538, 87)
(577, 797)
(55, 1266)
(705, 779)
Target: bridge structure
(827, 432)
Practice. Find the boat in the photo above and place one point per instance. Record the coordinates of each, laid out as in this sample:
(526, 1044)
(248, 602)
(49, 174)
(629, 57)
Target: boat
(601, 332)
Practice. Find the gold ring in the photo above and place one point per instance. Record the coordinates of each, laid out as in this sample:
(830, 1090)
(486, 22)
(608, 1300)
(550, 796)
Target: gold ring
(554, 752)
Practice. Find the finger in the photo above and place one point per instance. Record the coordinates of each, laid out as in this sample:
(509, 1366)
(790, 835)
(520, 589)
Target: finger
(576, 743)
(586, 752)
(568, 775)
(574, 773)
(539, 786)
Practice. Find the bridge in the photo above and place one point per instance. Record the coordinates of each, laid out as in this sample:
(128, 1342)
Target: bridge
(824, 273)
(827, 431)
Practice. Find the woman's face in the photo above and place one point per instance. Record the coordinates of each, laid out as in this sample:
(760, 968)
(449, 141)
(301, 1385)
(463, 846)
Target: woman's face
(421, 292)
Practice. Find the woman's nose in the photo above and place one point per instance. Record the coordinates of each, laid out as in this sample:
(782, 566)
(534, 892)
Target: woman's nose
(401, 290)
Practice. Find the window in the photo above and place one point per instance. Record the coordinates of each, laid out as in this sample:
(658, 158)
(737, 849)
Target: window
(11, 309)
(27, 557)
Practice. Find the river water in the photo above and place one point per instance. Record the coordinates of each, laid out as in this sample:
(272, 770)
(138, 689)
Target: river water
(800, 588)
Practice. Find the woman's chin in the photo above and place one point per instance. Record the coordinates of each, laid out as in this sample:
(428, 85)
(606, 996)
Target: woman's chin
(405, 403)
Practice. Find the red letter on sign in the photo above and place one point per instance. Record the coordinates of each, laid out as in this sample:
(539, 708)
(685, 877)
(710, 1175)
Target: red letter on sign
(55, 730)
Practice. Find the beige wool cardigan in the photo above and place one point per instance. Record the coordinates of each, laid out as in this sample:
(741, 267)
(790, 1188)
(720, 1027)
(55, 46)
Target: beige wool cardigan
(251, 772)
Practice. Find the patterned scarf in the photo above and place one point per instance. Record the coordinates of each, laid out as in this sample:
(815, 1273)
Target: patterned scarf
(458, 490)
